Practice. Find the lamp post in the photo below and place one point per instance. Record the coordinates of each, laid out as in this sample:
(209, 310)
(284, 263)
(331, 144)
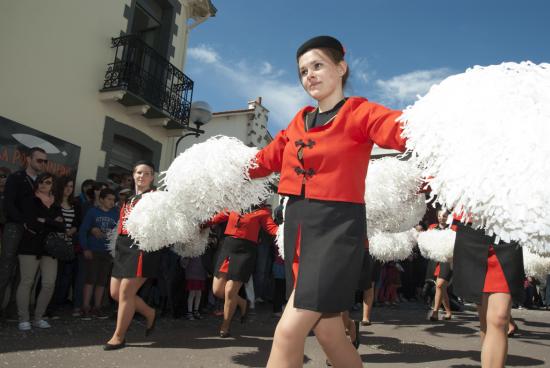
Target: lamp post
(201, 113)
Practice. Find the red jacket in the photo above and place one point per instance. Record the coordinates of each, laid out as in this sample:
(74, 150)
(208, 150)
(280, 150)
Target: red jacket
(436, 227)
(246, 226)
(335, 156)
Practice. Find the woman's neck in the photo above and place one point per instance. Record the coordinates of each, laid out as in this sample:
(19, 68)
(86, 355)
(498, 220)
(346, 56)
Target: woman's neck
(329, 102)
(141, 190)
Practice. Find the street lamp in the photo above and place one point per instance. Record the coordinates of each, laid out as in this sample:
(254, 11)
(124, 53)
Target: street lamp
(201, 113)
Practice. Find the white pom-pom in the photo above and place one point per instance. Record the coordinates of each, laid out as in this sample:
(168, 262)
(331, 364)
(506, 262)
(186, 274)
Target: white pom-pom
(280, 237)
(437, 245)
(392, 246)
(212, 176)
(156, 222)
(392, 201)
(280, 240)
(193, 247)
(536, 266)
(482, 139)
(112, 237)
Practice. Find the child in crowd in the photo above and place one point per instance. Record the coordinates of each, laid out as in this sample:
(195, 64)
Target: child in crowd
(94, 240)
(195, 276)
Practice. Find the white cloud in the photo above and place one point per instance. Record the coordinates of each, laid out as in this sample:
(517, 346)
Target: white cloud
(359, 69)
(203, 53)
(283, 99)
(403, 89)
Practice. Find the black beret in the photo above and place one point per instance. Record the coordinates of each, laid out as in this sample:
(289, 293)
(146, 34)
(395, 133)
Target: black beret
(320, 42)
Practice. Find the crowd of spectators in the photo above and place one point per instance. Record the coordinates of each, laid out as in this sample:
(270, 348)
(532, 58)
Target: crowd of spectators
(35, 204)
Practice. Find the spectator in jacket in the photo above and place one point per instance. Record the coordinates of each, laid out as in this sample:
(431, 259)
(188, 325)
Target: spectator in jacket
(41, 216)
(19, 186)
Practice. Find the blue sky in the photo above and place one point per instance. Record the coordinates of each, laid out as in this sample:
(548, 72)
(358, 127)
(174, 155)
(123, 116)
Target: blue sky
(396, 48)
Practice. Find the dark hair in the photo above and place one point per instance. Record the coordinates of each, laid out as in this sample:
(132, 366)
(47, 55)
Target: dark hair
(97, 185)
(41, 178)
(144, 162)
(86, 183)
(59, 188)
(335, 56)
(105, 192)
(36, 149)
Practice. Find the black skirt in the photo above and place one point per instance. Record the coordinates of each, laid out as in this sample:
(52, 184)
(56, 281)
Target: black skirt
(445, 271)
(130, 261)
(470, 264)
(241, 254)
(331, 238)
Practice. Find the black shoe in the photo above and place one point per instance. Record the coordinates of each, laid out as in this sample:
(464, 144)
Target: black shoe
(225, 334)
(149, 330)
(109, 347)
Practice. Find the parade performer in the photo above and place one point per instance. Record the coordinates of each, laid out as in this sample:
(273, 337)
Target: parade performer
(442, 271)
(237, 258)
(479, 137)
(132, 266)
(323, 156)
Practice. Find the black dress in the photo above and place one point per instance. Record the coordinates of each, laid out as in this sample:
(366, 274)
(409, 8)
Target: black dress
(129, 261)
(470, 264)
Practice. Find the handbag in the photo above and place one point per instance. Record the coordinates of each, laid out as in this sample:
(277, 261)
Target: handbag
(57, 247)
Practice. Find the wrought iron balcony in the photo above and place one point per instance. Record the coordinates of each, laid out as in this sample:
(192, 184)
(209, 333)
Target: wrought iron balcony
(149, 79)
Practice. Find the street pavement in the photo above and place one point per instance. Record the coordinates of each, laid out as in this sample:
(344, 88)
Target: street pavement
(399, 337)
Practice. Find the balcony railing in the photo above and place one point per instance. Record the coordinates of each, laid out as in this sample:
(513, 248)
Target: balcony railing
(150, 79)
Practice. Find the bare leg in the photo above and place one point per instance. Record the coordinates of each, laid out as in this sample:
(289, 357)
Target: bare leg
(482, 313)
(232, 300)
(495, 345)
(87, 296)
(440, 291)
(128, 304)
(98, 296)
(287, 350)
(331, 335)
(368, 298)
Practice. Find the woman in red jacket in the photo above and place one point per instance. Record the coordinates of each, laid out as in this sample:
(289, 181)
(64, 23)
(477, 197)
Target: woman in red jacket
(442, 271)
(237, 258)
(132, 266)
(323, 156)
(490, 275)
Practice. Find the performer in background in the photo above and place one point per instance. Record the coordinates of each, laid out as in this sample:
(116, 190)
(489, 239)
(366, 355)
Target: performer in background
(132, 266)
(442, 271)
(323, 156)
(237, 258)
(491, 275)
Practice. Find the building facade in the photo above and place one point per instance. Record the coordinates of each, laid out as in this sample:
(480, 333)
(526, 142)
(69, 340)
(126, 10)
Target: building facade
(101, 80)
(248, 125)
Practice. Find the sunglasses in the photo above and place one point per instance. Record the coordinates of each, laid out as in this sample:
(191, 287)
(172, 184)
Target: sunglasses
(41, 161)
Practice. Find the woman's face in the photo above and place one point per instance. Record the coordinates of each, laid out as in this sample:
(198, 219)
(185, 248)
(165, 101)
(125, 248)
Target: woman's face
(319, 75)
(143, 176)
(45, 186)
(68, 190)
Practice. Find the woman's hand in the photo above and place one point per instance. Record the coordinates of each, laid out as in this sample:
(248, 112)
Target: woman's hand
(95, 231)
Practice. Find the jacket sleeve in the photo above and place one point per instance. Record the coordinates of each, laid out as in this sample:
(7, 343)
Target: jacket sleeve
(10, 196)
(30, 215)
(52, 224)
(379, 124)
(217, 219)
(268, 224)
(270, 158)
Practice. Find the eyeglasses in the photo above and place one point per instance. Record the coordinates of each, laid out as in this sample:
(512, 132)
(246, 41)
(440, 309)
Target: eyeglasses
(47, 182)
(41, 161)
